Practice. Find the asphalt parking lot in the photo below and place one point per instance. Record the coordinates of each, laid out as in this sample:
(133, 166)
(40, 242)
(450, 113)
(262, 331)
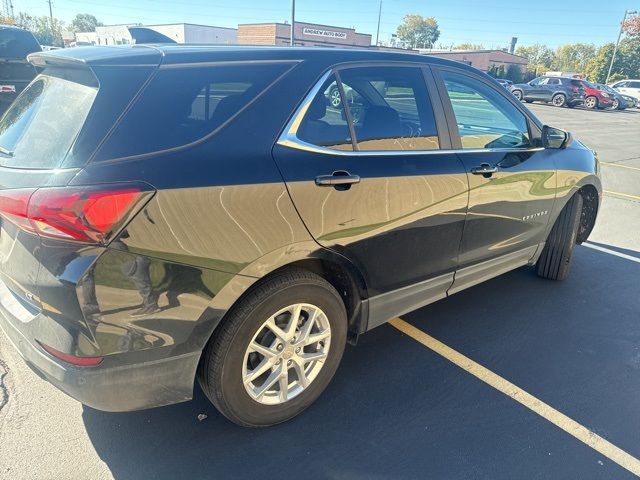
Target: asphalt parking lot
(398, 408)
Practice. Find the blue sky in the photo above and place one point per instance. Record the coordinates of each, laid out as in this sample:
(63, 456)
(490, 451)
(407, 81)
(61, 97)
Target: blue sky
(491, 23)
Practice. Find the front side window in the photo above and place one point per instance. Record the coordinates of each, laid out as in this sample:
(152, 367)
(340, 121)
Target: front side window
(485, 118)
(184, 105)
(389, 107)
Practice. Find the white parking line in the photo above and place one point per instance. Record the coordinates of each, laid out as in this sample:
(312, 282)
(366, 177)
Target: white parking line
(611, 252)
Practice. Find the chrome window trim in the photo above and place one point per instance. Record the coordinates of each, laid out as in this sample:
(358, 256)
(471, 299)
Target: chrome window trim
(289, 137)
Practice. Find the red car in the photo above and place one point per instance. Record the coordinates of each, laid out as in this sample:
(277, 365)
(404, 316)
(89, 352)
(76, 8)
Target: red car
(596, 98)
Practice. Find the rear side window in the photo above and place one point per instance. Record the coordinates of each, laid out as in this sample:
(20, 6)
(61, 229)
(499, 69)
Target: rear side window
(325, 122)
(15, 43)
(41, 125)
(389, 107)
(577, 83)
(185, 104)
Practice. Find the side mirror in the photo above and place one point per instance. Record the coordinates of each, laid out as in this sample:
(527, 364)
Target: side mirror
(554, 137)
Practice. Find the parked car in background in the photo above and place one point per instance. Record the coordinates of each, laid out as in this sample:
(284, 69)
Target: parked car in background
(504, 82)
(629, 87)
(620, 101)
(151, 239)
(560, 91)
(596, 97)
(15, 71)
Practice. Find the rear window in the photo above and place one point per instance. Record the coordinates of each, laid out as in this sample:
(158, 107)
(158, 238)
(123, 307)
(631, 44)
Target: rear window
(41, 125)
(576, 83)
(184, 105)
(15, 43)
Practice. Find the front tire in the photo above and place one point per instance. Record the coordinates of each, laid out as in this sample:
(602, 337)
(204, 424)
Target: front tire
(276, 351)
(559, 100)
(591, 103)
(555, 261)
(518, 94)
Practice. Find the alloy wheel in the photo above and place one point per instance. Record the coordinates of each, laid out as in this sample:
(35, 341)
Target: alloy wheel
(286, 354)
(517, 94)
(616, 104)
(591, 102)
(334, 98)
(558, 100)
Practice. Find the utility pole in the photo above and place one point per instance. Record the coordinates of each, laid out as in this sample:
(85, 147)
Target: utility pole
(293, 21)
(615, 49)
(51, 17)
(379, 16)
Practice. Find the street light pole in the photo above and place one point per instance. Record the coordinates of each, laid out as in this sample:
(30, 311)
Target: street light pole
(293, 19)
(379, 16)
(51, 17)
(615, 49)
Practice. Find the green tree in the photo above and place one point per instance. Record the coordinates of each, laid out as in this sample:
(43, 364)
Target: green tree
(514, 73)
(84, 22)
(469, 46)
(418, 31)
(573, 57)
(42, 29)
(537, 54)
(596, 70)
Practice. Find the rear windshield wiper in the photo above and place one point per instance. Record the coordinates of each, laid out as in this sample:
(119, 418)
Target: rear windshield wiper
(6, 152)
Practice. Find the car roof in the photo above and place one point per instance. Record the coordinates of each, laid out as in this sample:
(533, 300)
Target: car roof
(176, 54)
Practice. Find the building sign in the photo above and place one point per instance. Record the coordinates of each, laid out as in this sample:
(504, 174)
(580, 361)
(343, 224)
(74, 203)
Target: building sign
(317, 32)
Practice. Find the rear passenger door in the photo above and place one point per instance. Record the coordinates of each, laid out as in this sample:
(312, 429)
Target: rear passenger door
(369, 180)
(512, 179)
(551, 86)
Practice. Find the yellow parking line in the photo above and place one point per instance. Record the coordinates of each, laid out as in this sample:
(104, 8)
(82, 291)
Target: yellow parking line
(547, 412)
(611, 164)
(618, 194)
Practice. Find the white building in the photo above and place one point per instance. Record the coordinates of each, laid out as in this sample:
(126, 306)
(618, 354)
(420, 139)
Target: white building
(191, 33)
(180, 32)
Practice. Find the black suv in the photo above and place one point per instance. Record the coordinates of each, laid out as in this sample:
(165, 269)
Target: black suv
(560, 91)
(181, 212)
(15, 71)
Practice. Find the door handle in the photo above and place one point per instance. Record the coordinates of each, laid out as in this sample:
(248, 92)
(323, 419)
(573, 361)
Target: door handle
(484, 169)
(337, 178)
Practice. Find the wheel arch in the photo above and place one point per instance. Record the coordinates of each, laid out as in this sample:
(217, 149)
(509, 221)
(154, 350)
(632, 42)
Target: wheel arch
(341, 273)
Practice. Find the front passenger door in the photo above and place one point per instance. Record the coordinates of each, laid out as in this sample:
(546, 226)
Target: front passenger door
(512, 181)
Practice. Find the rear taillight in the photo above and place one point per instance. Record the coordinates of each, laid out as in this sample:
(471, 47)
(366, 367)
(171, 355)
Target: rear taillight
(72, 359)
(85, 214)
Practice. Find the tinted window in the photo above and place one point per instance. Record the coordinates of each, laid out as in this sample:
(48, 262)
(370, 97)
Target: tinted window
(390, 108)
(553, 81)
(325, 123)
(15, 43)
(634, 85)
(485, 118)
(576, 83)
(182, 105)
(41, 125)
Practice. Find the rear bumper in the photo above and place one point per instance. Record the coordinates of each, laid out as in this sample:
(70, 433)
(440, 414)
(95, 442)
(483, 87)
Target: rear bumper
(109, 387)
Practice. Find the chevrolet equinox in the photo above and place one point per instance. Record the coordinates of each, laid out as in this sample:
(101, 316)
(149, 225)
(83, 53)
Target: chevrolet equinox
(236, 215)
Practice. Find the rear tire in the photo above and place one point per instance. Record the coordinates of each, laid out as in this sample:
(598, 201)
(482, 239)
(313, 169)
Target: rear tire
(231, 355)
(559, 100)
(518, 94)
(555, 261)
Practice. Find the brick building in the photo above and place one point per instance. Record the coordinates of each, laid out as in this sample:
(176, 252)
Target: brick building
(482, 59)
(306, 34)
